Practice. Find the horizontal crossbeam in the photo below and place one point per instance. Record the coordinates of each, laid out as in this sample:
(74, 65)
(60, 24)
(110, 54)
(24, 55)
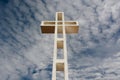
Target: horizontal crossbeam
(49, 26)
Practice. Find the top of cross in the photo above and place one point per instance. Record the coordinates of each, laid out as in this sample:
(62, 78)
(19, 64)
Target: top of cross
(49, 26)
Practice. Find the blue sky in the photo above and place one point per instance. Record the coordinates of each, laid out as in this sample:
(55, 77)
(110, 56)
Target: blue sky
(93, 53)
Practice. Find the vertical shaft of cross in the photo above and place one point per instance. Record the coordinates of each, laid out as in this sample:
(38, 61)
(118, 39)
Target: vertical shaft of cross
(60, 63)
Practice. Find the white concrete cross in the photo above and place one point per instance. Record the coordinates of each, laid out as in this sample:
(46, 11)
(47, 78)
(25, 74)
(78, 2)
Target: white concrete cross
(59, 26)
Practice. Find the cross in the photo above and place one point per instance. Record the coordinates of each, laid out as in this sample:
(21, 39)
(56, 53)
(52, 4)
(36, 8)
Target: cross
(59, 26)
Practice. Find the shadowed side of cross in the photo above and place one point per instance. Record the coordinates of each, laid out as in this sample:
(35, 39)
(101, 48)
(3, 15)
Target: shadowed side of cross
(49, 26)
(59, 26)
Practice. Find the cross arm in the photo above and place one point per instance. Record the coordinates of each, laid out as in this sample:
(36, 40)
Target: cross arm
(49, 26)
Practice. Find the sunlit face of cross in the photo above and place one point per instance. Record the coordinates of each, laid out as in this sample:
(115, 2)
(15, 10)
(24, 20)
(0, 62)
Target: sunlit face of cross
(49, 26)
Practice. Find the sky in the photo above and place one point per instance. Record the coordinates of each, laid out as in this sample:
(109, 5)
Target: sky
(26, 53)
